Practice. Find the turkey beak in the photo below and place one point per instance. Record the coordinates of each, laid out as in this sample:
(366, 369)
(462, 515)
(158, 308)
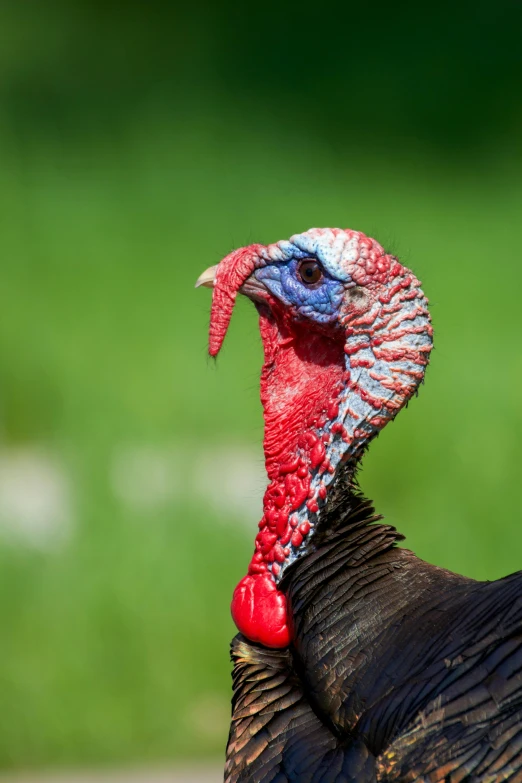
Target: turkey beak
(208, 278)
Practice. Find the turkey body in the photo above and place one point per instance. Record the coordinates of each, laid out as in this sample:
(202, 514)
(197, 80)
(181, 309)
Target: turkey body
(356, 661)
(399, 670)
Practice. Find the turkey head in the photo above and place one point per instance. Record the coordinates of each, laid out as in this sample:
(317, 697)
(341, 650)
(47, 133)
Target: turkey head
(346, 335)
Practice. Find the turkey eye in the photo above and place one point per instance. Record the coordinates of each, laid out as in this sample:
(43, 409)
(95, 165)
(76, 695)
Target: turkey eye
(310, 272)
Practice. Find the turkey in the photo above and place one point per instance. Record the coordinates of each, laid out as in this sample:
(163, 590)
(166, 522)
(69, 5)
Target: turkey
(355, 660)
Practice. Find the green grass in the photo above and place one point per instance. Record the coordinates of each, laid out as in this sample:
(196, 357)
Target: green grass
(115, 646)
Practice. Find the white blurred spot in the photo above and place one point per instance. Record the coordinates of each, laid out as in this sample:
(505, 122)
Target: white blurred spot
(232, 480)
(144, 477)
(35, 501)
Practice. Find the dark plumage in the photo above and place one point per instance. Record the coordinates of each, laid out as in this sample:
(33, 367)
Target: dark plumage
(399, 671)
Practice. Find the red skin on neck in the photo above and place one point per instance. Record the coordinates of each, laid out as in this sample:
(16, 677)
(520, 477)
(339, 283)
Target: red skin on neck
(303, 373)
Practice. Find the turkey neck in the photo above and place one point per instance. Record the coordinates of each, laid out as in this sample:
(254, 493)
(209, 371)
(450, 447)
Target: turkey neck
(325, 394)
(303, 375)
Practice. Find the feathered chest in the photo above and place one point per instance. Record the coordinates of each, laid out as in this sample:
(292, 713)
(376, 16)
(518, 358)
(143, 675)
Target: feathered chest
(367, 617)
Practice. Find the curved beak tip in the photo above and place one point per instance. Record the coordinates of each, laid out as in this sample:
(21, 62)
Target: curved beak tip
(207, 278)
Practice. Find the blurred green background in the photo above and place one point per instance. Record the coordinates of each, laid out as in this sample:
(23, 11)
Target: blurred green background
(139, 143)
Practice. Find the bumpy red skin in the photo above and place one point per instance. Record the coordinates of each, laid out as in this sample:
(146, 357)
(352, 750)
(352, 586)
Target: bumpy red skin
(301, 378)
(303, 373)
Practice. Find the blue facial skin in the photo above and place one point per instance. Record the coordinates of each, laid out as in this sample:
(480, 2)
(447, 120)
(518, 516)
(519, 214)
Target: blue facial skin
(320, 301)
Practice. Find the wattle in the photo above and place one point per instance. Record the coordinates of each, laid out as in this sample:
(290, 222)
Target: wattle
(259, 611)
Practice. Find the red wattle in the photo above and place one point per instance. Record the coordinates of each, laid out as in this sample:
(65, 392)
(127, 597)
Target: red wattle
(259, 611)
